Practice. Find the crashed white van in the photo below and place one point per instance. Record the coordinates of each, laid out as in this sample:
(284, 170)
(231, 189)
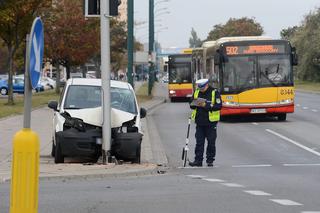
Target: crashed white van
(77, 122)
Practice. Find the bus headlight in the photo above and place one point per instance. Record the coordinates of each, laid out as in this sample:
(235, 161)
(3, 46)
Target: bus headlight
(286, 101)
(172, 92)
(230, 103)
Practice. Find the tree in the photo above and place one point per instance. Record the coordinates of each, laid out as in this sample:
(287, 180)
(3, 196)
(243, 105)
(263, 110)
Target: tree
(70, 39)
(306, 41)
(16, 17)
(288, 33)
(236, 27)
(194, 40)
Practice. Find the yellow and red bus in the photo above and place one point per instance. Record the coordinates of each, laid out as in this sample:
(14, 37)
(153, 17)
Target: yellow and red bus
(180, 78)
(254, 74)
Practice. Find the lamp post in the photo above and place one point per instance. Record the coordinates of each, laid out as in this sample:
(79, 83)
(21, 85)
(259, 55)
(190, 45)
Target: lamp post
(151, 45)
(130, 42)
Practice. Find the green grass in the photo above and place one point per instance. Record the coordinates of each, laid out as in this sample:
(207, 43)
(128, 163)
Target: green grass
(308, 86)
(38, 100)
(142, 94)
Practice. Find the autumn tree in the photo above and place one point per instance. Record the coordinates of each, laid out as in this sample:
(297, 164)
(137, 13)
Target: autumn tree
(16, 17)
(70, 39)
(236, 27)
(194, 40)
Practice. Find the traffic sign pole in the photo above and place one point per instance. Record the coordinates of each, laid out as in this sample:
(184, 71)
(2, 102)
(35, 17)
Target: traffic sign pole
(27, 89)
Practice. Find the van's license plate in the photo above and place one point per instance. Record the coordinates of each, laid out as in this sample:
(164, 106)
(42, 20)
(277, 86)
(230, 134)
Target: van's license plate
(255, 111)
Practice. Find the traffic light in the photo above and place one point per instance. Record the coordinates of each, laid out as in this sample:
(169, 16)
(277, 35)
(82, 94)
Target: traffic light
(113, 7)
(92, 7)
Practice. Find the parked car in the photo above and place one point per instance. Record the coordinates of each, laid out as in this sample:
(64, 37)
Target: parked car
(48, 83)
(18, 86)
(77, 122)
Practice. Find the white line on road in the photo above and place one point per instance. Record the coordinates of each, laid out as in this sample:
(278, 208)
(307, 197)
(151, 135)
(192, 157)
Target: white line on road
(298, 105)
(213, 180)
(259, 193)
(293, 142)
(196, 176)
(286, 202)
(254, 123)
(251, 166)
(232, 185)
(301, 164)
(305, 107)
(311, 212)
(314, 110)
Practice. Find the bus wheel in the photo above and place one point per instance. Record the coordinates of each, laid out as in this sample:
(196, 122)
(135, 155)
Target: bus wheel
(282, 117)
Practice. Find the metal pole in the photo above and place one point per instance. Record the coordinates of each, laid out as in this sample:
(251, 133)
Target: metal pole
(27, 89)
(130, 42)
(105, 79)
(151, 43)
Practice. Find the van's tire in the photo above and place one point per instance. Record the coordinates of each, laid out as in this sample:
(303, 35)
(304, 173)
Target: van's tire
(58, 157)
(137, 159)
(282, 117)
(53, 149)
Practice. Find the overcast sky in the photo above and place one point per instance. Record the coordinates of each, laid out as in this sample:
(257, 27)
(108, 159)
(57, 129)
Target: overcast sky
(202, 15)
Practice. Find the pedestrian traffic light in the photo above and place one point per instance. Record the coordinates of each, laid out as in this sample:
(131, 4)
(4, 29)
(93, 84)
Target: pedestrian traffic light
(113, 7)
(92, 7)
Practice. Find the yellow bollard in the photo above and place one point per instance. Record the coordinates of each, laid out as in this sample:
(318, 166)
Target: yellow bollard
(25, 172)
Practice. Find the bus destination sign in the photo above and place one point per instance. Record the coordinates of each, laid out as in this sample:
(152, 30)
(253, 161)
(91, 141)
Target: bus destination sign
(255, 49)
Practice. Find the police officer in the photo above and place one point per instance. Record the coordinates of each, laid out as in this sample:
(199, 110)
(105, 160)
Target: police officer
(206, 104)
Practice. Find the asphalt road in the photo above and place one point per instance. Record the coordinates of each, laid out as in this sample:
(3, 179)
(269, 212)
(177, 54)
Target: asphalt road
(262, 165)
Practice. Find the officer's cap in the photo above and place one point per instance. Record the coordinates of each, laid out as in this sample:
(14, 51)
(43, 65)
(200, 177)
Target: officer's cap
(201, 83)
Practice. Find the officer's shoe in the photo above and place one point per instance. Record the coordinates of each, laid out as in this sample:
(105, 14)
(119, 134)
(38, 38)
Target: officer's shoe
(195, 164)
(210, 164)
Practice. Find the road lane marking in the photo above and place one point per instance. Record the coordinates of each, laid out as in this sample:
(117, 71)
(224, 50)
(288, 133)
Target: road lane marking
(298, 105)
(196, 176)
(258, 193)
(314, 110)
(213, 180)
(305, 107)
(310, 212)
(293, 142)
(232, 185)
(301, 164)
(286, 202)
(254, 123)
(251, 166)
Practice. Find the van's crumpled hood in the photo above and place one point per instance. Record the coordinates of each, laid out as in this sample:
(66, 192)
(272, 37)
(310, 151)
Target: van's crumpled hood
(93, 116)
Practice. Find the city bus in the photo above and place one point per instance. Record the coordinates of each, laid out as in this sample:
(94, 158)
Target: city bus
(180, 77)
(254, 74)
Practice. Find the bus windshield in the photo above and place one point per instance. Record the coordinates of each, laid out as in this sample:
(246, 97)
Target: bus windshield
(241, 73)
(180, 73)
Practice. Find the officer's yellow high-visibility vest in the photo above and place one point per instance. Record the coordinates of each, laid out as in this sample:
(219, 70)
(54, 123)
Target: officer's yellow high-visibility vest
(213, 115)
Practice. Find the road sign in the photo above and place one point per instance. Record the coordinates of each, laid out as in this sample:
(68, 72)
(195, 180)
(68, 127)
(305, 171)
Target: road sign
(36, 46)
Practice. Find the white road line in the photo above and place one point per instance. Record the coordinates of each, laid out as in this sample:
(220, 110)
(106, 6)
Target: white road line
(286, 202)
(314, 110)
(298, 105)
(254, 123)
(305, 107)
(310, 212)
(196, 176)
(251, 166)
(301, 164)
(293, 142)
(232, 185)
(213, 180)
(259, 193)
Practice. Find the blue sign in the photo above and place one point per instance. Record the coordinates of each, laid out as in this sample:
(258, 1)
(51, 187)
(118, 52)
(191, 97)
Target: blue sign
(36, 46)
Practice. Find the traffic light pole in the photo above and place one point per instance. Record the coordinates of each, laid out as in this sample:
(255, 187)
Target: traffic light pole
(130, 42)
(105, 79)
(151, 45)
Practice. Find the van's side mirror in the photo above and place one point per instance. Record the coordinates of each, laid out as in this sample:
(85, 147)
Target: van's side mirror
(53, 105)
(143, 112)
(294, 56)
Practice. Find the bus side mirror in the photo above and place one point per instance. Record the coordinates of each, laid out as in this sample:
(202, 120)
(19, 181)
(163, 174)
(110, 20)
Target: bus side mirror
(216, 58)
(294, 57)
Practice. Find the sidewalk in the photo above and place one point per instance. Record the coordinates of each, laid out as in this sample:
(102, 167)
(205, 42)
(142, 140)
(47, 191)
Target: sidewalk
(42, 125)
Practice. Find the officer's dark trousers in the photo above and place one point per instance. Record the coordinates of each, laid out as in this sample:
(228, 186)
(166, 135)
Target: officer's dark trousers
(203, 132)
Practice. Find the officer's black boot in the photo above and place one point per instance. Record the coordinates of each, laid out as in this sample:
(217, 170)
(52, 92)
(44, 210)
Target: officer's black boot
(195, 164)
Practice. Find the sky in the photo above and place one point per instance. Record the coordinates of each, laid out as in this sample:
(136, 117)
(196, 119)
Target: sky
(175, 18)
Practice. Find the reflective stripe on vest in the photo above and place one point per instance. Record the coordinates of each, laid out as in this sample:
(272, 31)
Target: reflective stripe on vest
(213, 115)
